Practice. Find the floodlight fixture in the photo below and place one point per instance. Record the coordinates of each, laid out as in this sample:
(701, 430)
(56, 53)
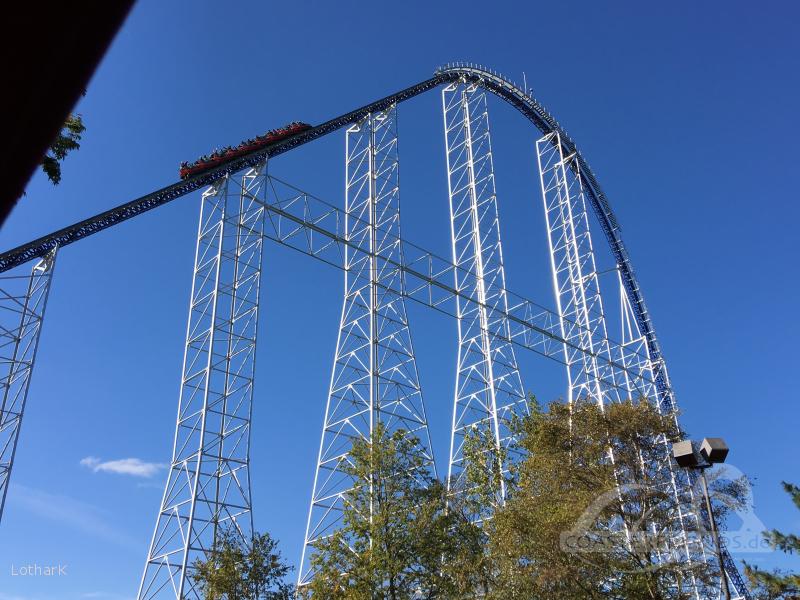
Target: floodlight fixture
(714, 450)
(711, 451)
(684, 454)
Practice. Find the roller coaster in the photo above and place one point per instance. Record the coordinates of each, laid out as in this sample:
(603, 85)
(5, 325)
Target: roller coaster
(374, 375)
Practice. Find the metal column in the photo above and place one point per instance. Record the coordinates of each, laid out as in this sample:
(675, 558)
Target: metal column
(575, 281)
(634, 354)
(374, 378)
(23, 299)
(489, 389)
(596, 374)
(208, 486)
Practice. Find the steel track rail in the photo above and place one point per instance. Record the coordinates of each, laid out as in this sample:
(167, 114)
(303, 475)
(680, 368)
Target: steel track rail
(493, 81)
(68, 235)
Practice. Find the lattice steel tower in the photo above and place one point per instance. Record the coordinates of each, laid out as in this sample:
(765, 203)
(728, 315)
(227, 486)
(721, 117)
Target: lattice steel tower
(208, 486)
(375, 378)
(489, 389)
(593, 370)
(23, 299)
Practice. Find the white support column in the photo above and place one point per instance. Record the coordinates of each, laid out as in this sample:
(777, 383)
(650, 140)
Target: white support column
(374, 378)
(489, 389)
(23, 299)
(208, 486)
(685, 539)
(597, 369)
(575, 280)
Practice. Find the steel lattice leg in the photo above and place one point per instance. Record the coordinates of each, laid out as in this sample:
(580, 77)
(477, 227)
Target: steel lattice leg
(374, 377)
(489, 389)
(583, 326)
(575, 280)
(634, 354)
(208, 486)
(23, 300)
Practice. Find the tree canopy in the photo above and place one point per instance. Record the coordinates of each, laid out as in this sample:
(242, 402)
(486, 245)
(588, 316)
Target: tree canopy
(67, 140)
(590, 512)
(397, 539)
(593, 514)
(778, 585)
(236, 569)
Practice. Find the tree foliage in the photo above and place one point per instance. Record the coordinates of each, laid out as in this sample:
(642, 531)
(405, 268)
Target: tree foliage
(582, 478)
(67, 140)
(778, 585)
(237, 570)
(397, 539)
(593, 511)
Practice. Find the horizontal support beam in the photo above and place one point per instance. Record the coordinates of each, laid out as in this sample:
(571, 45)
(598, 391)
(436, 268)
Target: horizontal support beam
(306, 223)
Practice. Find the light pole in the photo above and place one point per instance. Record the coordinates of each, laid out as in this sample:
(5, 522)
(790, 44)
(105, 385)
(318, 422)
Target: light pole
(712, 451)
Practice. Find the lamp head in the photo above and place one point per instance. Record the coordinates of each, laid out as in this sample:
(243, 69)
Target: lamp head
(714, 450)
(684, 455)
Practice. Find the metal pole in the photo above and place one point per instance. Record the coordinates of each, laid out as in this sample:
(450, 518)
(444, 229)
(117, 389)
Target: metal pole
(715, 535)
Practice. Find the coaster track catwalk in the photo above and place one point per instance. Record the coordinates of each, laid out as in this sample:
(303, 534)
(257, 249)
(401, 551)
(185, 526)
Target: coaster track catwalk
(374, 377)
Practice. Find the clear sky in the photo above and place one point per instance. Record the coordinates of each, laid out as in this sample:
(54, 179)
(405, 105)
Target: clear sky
(686, 111)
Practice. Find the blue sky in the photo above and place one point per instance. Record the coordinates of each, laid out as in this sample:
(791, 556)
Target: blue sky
(687, 113)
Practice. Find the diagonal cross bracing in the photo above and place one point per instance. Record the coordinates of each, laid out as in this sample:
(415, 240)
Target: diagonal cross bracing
(374, 377)
(489, 389)
(208, 485)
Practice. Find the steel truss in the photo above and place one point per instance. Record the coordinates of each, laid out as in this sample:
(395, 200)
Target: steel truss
(208, 486)
(301, 221)
(23, 299)
(575, 278)
(374, 378)
(489, 389)
(579, 301)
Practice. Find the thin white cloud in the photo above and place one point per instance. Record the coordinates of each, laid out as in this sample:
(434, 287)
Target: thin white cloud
(13, 597)
(123, 466)
(67, 511)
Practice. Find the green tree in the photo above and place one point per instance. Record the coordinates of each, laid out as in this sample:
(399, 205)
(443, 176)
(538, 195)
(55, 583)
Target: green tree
(467, 564)
(236, 570)
(67, 140)
(397, 539)
(778, 585)
(592, 511)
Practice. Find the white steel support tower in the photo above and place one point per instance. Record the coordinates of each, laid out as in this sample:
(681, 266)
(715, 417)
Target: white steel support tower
(687, 537)
(23, 299)
(607, 372)
(489, 389)
(208, 486)
(575, 279)
(374, 378)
